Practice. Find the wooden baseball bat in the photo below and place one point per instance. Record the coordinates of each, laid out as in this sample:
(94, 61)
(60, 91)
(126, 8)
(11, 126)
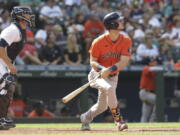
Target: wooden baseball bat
(77, 91)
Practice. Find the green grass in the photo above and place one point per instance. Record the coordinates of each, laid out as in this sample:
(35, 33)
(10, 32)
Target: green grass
(73, 129)
(101, 125)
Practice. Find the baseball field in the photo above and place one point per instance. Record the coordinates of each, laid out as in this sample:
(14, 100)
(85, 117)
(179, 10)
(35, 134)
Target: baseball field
(97, 129)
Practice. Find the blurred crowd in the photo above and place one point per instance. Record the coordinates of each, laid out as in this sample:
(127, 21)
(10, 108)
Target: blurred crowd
(65, 29)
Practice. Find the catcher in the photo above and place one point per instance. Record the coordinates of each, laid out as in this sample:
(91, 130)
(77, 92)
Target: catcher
(11, 42)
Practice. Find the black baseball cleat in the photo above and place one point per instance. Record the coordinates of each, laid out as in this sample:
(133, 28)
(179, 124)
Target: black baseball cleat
(6, 123)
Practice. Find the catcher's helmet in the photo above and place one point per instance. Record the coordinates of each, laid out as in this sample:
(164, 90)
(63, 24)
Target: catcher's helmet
(21, 12)
(111, 20)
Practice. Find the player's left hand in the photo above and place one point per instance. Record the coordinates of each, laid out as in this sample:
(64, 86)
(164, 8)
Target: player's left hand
(12, 69)
(105, 72)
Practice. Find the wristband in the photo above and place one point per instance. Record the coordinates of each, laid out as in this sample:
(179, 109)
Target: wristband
(99, 67)
(113, 68)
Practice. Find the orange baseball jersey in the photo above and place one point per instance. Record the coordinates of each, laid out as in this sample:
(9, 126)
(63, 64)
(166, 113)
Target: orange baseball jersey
(46, 113)
(108, 52)
(177, 66)
(93, 28)
(147, 81)
(18, 107)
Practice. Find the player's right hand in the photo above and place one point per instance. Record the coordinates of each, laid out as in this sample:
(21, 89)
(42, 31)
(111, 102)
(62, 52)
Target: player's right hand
(12, 68)
(105, 72)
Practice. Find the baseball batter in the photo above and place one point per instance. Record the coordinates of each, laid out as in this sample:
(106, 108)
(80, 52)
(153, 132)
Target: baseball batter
(109, 54)
(147, 91)
(11, 42)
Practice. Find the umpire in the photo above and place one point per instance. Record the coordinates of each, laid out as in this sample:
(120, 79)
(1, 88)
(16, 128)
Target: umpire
(12, 40)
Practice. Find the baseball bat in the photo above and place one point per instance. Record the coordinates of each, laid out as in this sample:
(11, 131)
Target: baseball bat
(77, 91)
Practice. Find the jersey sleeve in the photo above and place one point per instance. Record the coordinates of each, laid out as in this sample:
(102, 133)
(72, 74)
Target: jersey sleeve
(10, 34)
(94, 49)
(126, 50)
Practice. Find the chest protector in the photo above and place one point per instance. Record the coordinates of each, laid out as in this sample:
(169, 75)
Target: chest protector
(14, 49)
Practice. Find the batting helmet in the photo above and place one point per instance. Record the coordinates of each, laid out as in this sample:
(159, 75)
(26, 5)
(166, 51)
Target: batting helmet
(111, 20)
(23, 13)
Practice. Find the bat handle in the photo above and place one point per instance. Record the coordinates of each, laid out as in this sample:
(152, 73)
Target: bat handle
(98, 76)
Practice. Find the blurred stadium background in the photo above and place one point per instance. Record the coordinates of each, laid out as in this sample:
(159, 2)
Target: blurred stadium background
(55, 58)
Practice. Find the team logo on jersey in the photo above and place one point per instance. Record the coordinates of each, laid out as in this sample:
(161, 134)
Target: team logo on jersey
(111, 55)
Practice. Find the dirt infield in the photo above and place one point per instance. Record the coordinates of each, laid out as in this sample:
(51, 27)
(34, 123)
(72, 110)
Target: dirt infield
(52, 131)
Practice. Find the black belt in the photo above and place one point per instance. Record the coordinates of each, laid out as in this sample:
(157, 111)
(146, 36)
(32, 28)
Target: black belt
(151, 91)
(112, 75)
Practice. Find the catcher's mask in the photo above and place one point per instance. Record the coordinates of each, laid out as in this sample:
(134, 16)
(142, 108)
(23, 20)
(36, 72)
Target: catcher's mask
(23, 13)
